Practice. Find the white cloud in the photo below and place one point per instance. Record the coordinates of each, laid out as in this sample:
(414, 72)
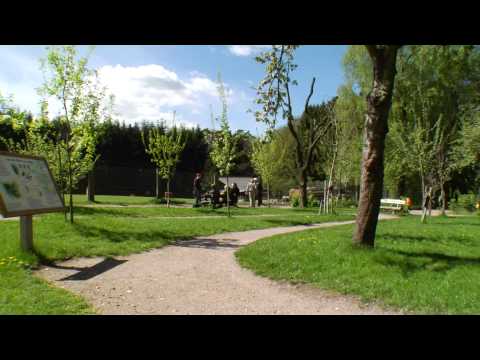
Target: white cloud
(247, 50)
(152, 92)
(142, 93)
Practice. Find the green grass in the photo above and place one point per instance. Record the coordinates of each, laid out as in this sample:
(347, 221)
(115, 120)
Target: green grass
(430, 268)
(110, 232)
(127, 200)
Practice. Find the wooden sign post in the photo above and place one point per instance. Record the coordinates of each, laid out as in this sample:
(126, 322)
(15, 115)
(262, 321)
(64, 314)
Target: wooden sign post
(27, 187)
(26, 232)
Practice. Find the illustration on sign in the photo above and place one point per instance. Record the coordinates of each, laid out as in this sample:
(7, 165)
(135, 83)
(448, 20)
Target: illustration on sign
(26, 184)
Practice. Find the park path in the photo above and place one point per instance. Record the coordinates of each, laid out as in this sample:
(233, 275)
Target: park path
(199, 276)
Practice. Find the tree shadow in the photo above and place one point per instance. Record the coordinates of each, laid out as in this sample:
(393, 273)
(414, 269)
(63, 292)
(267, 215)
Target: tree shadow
(411, 262)
(287, 222)
(124, 235)
(206, 243)
(460, 223)
(98, 211)
(86, 273)
(466, 241)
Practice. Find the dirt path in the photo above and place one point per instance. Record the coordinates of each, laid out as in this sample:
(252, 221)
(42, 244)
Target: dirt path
(199, 276)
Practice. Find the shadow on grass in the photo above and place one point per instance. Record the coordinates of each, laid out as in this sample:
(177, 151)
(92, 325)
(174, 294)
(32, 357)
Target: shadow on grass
(124, 235)
(411, 262)
(172, 202)
(99, 211)
(459, 223)
(404, 238)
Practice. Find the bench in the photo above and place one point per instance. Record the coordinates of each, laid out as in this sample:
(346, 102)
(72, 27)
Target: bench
(392, 204)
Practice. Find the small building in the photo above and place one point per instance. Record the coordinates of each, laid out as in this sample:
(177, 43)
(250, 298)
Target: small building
(241, 181)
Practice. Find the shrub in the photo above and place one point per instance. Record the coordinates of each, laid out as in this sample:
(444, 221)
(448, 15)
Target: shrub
(295, 199)
(465, 202)
(294, 195)
(346, 203)
(312, 201)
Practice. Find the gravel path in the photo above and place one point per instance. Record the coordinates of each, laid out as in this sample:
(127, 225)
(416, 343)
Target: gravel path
(199, 276)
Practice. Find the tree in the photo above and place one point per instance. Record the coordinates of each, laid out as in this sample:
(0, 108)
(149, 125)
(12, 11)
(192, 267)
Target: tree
(273, 94)
(69, 80)
(265, 161)
(375, 130)
(350, 114)
(433, 85)
(164, 150)
(223, 143)
(97, 112)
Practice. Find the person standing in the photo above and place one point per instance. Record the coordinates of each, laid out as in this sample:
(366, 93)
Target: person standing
(259, 191)
(251, 191)
(197, 189)
(235, 192)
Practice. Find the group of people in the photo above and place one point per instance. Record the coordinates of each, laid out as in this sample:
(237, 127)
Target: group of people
(254, 191)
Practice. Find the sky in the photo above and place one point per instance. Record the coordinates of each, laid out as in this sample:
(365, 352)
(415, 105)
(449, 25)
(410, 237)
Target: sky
(151, 82)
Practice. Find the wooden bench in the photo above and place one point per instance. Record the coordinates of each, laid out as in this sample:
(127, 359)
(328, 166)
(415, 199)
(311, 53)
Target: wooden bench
(392, 204)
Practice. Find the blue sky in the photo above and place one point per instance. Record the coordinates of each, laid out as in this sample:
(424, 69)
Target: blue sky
(150, 82)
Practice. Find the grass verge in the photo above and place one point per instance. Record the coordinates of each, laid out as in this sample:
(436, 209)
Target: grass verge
(110, 232)
(429, 268)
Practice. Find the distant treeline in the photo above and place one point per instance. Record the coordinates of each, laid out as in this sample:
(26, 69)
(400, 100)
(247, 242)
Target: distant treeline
(120, 144)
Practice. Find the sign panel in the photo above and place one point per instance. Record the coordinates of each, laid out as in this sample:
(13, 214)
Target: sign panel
(27, 186)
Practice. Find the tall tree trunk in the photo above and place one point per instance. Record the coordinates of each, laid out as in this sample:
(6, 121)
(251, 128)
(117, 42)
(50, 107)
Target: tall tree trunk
(228, 198)
(268, 195)
(376, 127)
(401, 186)
(91, 186)
(157, 185)
(60, 172)
(443, 197)
(70, 178)
(168, 192)
(424, 189)
(325, 196)
(303, 189)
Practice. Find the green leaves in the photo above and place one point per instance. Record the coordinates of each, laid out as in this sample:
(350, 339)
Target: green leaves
(223, 142)
(164, 149)
(272, 91)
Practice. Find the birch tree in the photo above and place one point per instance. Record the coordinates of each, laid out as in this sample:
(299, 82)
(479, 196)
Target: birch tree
(165, 150)
(223, 142)
(68, 79)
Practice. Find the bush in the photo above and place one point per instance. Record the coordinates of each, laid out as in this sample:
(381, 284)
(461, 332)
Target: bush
(294, 195)
(295, 199)
(312, 201)
(465, 202)
(346, 203)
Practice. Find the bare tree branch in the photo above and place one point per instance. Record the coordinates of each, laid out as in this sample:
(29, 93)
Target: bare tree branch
(309, 96)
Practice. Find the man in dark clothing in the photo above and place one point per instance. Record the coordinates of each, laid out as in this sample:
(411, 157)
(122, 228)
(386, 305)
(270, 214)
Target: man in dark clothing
(259, 191)
(235, 192)
(197, 190)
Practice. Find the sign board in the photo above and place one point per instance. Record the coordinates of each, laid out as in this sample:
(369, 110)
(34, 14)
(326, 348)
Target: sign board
(27, 186)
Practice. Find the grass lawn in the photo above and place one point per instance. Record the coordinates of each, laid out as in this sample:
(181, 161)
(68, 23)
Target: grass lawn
(126, 200)
(430, 268)
(110, 232)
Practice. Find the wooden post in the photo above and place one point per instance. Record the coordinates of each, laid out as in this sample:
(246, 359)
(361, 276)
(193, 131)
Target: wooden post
(26, 233)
